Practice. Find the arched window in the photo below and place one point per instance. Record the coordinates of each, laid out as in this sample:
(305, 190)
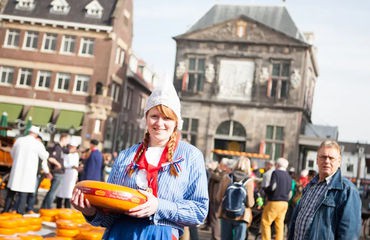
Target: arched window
(231, 128)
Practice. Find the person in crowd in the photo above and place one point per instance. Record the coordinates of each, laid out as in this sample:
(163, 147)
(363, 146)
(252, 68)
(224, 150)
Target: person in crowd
(303, 178)
(214, 203)
(25, 152)
(93, 164)
(330, 206)
(278, 194)
(56, 161)
(169, 172)
(294, 196)
(108, 163)
(266, 177)
(256, 170)
(71, 161)
(311, 174)
(237, 227)
(32, 197)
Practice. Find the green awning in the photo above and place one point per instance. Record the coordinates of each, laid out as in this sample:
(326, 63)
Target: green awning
(13, 111)
(40, 115)
(69, 119)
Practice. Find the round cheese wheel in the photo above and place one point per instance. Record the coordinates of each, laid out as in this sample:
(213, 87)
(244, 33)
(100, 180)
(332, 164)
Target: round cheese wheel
(30, 237)
(7, 231)
(90, 235)
(66, 224)
(67, 232)
(111, 196)
(49, 212)
(10, 223)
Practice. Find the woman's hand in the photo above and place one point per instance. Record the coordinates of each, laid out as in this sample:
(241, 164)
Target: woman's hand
(146, 209)
(79, 202)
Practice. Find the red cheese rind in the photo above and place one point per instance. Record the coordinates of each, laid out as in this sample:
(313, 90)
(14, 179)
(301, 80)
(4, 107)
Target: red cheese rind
(111, 196)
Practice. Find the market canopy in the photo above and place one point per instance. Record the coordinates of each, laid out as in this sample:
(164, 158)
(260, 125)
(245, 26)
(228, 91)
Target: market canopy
(69, 119)
(13, 111)
(237, 153)
(40, 115)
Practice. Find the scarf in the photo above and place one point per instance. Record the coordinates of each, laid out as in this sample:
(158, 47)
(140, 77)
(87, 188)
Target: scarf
(152, 171)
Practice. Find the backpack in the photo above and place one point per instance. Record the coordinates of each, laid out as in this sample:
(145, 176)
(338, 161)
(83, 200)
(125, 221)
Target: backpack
(235, 196)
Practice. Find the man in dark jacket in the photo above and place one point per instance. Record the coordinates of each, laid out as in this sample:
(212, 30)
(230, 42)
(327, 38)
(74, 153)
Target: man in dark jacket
(93, 166)
(330, 206)
(56, 161)
(278, 194)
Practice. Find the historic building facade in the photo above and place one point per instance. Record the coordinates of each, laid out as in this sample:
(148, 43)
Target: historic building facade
(246, 77)
(65, 63)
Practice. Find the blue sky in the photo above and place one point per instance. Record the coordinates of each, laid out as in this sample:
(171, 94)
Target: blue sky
(342, 94)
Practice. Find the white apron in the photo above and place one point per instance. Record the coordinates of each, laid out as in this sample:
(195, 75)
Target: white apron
(70, 176)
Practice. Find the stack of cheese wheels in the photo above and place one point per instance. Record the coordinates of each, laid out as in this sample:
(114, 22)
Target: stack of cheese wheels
(71, 214)
(49, 215)
(67, 228)
(89, 232)
(13, 223)
(34, 224)
(111, 196)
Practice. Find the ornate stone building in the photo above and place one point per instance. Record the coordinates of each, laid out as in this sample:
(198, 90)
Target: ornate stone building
(246, 76)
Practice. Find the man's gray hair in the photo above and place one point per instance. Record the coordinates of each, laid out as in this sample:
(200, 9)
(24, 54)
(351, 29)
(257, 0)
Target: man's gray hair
(282, 163)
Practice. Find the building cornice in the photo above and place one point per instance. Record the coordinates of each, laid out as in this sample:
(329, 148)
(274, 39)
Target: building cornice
(243, 104)
(54, 23)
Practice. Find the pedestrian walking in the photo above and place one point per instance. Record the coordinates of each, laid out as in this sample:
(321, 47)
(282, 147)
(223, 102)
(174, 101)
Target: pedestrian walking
(278, 194)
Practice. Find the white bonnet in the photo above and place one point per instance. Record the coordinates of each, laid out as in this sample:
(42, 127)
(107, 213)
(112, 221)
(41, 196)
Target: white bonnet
(165, 94)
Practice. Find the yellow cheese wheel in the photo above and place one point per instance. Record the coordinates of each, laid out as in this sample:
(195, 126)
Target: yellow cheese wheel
(111, 196)
(66, 224)
(67, 232)
(7, 231)
(90, 235)
(49, 212)
(30, 237)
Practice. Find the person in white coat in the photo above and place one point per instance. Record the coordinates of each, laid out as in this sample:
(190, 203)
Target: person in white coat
(69, 179)
(25, 152)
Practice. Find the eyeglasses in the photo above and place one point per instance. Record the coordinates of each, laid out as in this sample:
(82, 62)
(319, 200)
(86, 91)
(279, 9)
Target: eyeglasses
(324, 157)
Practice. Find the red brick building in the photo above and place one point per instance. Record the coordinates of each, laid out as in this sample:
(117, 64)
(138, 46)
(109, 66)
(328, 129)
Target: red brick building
(64, 63)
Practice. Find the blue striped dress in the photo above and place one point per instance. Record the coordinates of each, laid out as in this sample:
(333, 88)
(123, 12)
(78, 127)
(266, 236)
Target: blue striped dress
(182, 200)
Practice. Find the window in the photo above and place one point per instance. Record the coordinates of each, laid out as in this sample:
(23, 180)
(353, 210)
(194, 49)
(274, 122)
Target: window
(97, 126)
(81, 84)
(31, 40)
(87, 47)
(68, 44)
(141, 106)
(60, 7)
(196, 75)
(278, 85)
(114, 92)
(274, 141)
(120, 56)
(94, 9)
(25, 5)
(128, 99)
(62, 80)
(190, 130)
(350, 167)
(25, 77)
(311, 163)
(43, 79)
(6, 74)
(50, 42)
(12, 38)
